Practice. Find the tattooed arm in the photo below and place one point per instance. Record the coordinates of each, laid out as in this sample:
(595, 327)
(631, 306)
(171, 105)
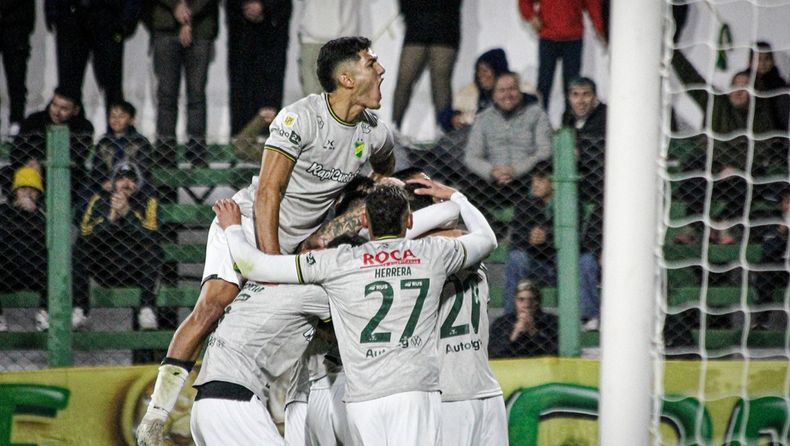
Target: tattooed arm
(349, 222)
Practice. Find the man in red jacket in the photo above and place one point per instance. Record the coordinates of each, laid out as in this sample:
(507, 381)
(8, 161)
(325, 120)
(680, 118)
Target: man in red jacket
(560, 26)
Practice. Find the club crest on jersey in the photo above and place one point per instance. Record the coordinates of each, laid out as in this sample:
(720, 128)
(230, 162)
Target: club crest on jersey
(359, 148)
(394, 257)
(290, 120)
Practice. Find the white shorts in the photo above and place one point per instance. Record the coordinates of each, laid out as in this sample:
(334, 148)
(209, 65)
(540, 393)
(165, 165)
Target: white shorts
(326, 412)
(218, 262)
(223, 422)
(474, 422)
(404, 419)
(295, 426)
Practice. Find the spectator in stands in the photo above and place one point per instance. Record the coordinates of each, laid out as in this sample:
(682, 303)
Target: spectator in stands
(774, 258)
(505, 143)
(527, 332)
(768, 80)
(532, 253)
(322, 21)
(587, 115)
(121, 144)
(182, 39)
(729, 112)
(445, 159)
(591, 230)
(560, 27)
(479, 95)
(433, 34)
(257, 47)
(17, 20)
(23, 247)
(95, 30)
(248, 144)
(30, 146)
(119, 245)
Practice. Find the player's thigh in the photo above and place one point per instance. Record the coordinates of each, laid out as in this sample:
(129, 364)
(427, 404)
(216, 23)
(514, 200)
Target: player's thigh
(224, 422)
(295, 423)
(494, 425)
(408, 418)
(339, 417)
(218, 262)
(461, 422)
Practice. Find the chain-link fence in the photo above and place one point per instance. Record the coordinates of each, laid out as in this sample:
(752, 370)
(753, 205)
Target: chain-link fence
(139, 227)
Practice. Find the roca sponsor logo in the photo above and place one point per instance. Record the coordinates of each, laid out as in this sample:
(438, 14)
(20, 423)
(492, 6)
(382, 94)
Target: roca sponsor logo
(382, 258)
(334, 174)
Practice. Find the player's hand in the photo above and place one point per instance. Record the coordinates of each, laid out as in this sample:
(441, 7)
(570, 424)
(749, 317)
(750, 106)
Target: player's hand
(432, 188)
(151, 431)
(228, 212)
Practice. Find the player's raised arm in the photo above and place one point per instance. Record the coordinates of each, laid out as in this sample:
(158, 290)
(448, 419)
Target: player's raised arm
(481, 239)
(252, 263)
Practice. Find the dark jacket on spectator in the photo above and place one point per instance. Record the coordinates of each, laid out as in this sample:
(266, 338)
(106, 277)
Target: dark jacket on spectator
(158, 17)
(725, 118)
(769, 83)
(31, 144)
(18, 13)
(139, 224)
(121, 16)
(432, 22)
(590, 145)
(543, 343)
(23, 248)
(531, 212)
(112, 150)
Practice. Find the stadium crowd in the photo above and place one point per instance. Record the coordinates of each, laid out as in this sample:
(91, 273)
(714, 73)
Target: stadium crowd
(495, 146)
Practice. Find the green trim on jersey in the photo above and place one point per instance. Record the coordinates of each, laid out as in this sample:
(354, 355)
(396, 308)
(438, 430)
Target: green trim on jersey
(299, 269)
(281, 152)
(333, 115)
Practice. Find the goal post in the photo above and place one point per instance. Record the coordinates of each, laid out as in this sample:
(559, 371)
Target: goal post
(630, 221)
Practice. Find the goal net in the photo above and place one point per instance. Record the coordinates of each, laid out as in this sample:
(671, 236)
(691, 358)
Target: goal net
(724, 261)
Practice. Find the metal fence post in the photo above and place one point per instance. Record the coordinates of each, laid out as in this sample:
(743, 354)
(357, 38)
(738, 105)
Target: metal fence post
(566, 226)
(59, 345)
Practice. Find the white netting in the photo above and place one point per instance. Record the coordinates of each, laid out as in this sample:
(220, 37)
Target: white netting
(724, 300)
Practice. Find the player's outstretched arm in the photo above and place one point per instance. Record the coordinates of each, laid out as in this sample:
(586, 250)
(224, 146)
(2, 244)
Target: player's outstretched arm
(252, 263)
(481, 239)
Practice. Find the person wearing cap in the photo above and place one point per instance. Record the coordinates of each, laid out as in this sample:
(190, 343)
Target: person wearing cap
(23, 249)
(119, 245)
(30, 146)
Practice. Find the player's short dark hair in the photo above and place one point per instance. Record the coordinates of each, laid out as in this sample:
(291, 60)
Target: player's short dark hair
(583, 82)
(124, 106)
(357, 189)
(417, 202)
(347, 239)
(407, 173)
(386, 206)
(335, 52)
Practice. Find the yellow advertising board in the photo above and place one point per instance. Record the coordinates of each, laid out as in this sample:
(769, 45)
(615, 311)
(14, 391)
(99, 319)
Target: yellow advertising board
(551, 401)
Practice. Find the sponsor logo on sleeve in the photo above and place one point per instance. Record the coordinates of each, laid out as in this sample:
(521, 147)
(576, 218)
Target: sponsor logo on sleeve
(294, 137)
(290, 120)
(310, 258)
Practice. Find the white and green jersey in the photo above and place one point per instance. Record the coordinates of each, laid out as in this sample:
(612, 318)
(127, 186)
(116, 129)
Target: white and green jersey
(327, 153)
(384, 297)
(463, 337)
(262, 334)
